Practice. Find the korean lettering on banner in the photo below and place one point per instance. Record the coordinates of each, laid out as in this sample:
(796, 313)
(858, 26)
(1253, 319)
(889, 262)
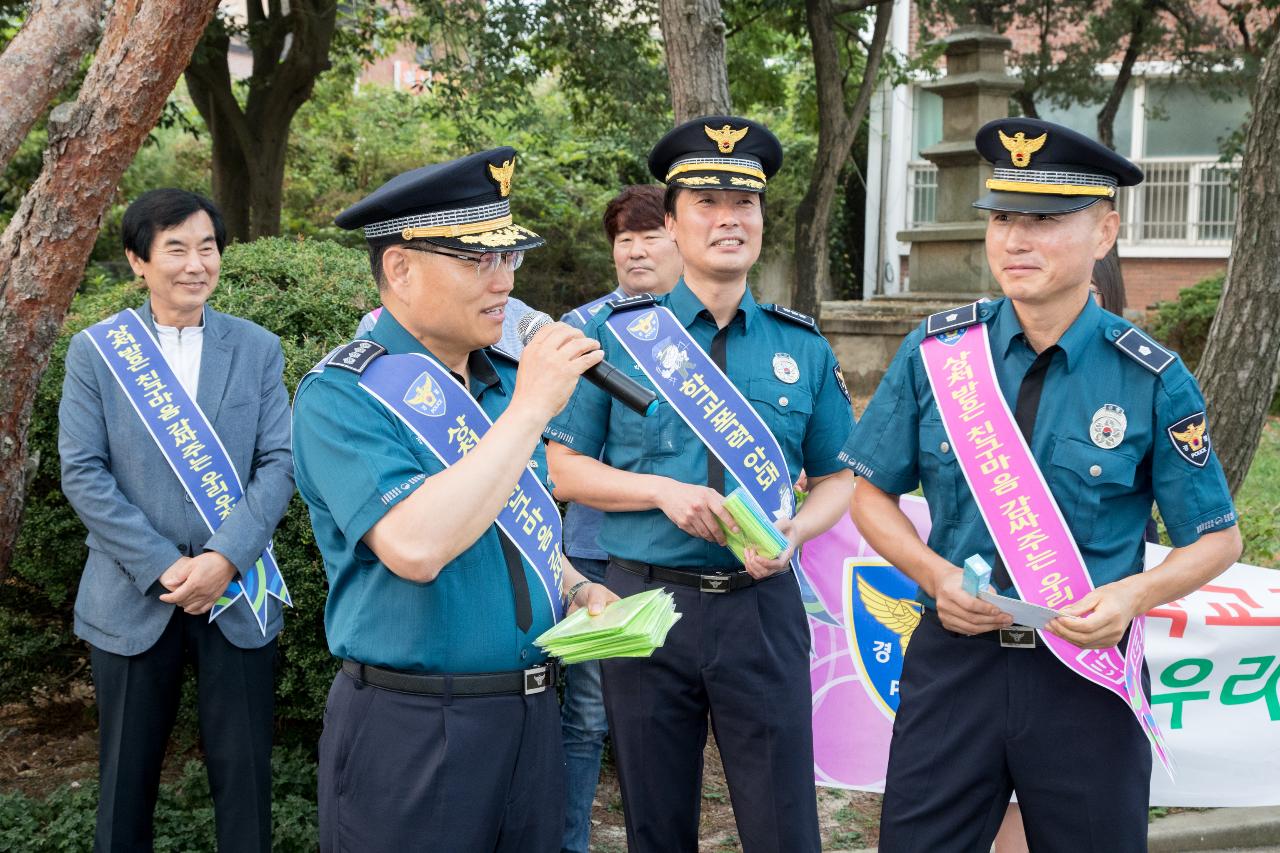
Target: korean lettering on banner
(185, 437)
(993, 465)
(724, 421)
(1246, 680)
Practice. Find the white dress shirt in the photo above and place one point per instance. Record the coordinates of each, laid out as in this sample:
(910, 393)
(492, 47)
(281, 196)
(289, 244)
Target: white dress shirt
(181, 348)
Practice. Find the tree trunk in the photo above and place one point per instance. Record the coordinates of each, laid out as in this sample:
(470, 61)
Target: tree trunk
(1238, 371)
(1137, 44)
(44, 250)
(42, 57)
(836, 133)
(249, 143)
(693, 37)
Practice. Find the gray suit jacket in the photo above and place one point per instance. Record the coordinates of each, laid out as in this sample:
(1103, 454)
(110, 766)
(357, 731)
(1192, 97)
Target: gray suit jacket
(139, 517)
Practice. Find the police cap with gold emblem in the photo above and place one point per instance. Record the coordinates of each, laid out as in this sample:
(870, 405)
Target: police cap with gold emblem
(717, 153)
(1041, 167)
(462, 204)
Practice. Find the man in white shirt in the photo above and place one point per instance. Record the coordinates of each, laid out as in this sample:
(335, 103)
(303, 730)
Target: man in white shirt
(170, 530)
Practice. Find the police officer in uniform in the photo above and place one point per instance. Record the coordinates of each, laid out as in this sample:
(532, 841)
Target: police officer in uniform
(1114, 421)
(739, 654)
(440, 732)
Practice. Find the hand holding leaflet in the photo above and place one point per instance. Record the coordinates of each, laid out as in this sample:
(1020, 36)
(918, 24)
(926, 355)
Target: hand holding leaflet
(977, 582)
(631, 627)
(756, 530)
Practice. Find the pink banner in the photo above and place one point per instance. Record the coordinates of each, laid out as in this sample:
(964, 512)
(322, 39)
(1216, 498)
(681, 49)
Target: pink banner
(1020, 512)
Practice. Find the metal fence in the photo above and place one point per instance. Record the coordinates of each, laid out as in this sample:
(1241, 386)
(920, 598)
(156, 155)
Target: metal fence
(1182, 202)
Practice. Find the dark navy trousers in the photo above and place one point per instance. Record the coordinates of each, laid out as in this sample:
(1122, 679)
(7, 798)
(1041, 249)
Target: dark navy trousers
(978, 721)
(742, 659)
(401, 772)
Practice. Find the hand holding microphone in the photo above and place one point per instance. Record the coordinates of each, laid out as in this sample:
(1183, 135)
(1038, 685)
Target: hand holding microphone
(603, 375)
(553, 360)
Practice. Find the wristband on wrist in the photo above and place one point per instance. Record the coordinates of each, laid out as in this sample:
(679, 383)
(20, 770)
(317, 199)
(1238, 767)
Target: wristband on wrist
(575, 589)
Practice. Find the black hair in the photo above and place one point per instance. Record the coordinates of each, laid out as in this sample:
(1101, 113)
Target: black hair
(158, 210)
(673, 192)
(1109, 281)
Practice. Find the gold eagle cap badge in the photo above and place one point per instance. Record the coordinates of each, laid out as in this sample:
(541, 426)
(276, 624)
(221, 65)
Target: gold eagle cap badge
(1020, 148)
(726, 137)
(502, 174)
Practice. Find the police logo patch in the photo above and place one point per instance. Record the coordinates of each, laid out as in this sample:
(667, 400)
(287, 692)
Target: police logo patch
(952, 337)
(425, 396)
(644, 327)
(844, 389)
(1190, 437)
(785, 368)
(1108, 426)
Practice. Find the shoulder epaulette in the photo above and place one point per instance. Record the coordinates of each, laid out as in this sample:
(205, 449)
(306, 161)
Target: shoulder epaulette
(355, 356)
(501, 353)
(1139, 346)
(794, 316)
(631, 303)
(951, 319)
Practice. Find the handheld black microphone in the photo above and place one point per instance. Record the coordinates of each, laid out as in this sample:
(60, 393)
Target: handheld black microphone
(604, 375)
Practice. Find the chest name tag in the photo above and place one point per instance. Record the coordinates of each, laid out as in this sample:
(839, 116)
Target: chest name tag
(187, 440)
(1021, 514)
(718, 414)
(448, 420)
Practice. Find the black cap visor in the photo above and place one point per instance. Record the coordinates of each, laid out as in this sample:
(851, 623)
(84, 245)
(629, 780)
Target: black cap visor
(1007, 202)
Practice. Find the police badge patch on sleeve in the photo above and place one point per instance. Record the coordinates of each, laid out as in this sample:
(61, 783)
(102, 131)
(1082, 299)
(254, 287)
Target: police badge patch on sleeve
(844, 389)
(1190, 437)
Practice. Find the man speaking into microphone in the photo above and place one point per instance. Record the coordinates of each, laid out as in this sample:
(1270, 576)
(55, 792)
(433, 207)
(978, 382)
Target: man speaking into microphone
(441, 547)
(749, 394)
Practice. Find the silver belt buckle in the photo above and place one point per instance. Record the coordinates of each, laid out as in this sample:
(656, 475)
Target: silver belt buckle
(715, 583)
(535, 680)
(1017, 637)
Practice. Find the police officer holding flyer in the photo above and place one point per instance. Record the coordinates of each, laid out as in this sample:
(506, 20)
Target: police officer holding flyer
(1042, 428)
(749, 395)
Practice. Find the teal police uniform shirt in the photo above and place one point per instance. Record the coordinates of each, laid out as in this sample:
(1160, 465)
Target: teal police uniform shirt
(353, 461)
(1105, 494)
(810, 419)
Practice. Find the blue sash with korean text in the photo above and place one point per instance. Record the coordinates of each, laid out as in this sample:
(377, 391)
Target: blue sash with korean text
(188, 443)
(584, 313)
(718, 414)
(443, 414)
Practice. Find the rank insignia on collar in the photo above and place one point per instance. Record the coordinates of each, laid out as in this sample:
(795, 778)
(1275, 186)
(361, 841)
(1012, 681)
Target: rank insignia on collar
(632, 302)
(1190, 437)
(954, 318)
(356, 355)
(792, 315)
(1142, 349)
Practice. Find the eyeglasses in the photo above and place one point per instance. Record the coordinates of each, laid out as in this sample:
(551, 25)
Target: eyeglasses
(486, 264)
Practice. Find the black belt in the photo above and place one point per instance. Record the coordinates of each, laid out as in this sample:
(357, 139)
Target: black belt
(1013, 637)
(515, 683)
(713, 581)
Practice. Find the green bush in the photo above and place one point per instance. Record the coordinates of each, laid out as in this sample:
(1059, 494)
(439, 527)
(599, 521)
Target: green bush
(1183, 323)
(64, 821)
(309, 292)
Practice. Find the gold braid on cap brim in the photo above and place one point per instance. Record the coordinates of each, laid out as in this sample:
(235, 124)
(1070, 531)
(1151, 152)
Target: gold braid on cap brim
(1049, 189)
(714, 167)
(457, 230)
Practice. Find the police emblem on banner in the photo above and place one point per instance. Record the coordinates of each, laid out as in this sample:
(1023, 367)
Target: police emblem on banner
(644, 327)
(425, 396)
(951, 338)
(1108, 426)
(1190, 437)
(672, 358)
(880, 614)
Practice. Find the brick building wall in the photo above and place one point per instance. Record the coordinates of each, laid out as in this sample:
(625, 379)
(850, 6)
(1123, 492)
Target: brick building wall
(1151, 280)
